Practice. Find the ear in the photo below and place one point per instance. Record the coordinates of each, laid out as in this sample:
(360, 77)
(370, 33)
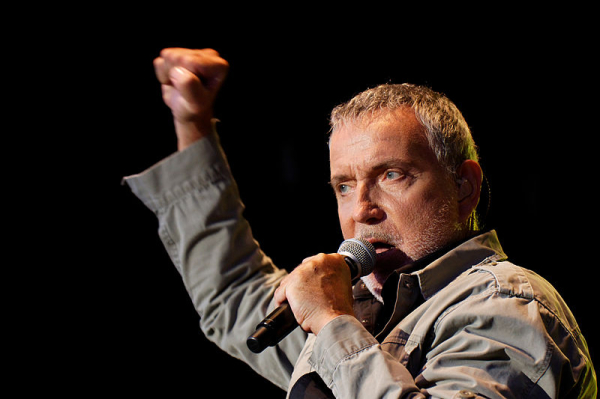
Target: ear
(470, 177)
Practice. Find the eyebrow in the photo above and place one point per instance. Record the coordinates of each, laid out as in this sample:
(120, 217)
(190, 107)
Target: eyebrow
(338, 179)
(383, 165)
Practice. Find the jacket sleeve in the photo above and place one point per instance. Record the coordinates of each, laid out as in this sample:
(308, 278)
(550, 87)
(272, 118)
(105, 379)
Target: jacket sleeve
(353, 364)
(229, 279)
(465, 365)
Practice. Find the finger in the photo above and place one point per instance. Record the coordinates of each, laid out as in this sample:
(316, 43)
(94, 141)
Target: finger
(279, 297)
(205, 63)
(167, 94)
(189, 85)
(308, 259)
(280, 294)
(213, 73)
(178, 55)
(161, 70)
(168, 59)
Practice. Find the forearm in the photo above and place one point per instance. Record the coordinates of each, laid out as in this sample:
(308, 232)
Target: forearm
(229, 279)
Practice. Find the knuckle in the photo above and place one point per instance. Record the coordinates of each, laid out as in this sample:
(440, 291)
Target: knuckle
(315, 263)
(203, 60)
(322, 258)
(168, 53)
(210, 51)
(223, 64)
(186, 78)
(279, 292)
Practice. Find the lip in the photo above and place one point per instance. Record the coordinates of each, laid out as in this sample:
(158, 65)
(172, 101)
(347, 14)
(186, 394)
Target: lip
(381, 246)
(388, 257)
(381, 250)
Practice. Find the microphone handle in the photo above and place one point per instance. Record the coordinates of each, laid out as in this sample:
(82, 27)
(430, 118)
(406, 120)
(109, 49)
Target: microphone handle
(280, 322)
(276, 326)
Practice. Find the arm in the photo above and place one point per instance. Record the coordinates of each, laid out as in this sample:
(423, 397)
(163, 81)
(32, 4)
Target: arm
(229, 279)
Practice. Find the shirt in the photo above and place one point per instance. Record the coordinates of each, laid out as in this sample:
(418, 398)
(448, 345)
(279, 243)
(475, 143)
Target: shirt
(468, 323)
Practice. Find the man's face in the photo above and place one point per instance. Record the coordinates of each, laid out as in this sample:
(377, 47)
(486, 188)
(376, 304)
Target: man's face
(391, 189)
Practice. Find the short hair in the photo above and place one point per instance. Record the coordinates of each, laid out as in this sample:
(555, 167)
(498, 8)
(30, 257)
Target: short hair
(446, 130)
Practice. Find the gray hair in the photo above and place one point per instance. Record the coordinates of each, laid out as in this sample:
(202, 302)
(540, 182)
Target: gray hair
(447, 131)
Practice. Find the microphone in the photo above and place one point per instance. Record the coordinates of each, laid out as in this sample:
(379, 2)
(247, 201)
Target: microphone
(359, 256)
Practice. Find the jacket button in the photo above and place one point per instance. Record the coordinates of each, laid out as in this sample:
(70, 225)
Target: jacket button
(466, 394)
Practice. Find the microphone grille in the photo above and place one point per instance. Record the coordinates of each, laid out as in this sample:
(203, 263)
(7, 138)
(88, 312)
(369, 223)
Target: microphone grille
(363, 251)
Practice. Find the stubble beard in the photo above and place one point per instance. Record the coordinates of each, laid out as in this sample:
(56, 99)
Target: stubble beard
(437, 232)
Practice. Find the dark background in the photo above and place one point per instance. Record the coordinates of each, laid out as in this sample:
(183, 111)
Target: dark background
(526, 90)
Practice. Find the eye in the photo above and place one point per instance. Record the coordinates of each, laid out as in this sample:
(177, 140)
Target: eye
(392, 175)
(343, 188)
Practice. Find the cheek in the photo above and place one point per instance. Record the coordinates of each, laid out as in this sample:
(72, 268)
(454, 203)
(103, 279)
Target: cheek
(414, 211)
(433, 219)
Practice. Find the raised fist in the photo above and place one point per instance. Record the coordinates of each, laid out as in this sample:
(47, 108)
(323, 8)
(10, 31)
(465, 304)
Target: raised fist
(190, 82)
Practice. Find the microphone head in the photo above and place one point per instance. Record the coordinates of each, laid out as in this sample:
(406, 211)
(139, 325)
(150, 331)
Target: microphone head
(362, 252)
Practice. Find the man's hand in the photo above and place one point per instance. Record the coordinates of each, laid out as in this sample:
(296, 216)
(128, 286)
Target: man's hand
(318, 290)
(190, 81)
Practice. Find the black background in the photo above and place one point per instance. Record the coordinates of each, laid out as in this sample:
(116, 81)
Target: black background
(526, 89)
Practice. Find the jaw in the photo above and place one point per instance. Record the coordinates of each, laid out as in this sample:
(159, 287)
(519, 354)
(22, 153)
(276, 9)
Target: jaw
(389, 258)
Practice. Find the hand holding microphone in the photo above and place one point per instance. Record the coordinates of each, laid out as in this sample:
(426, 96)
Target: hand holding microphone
(315, 292)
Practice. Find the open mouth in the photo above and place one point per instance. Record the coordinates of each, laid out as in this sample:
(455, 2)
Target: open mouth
(388, 256)
(381, 247)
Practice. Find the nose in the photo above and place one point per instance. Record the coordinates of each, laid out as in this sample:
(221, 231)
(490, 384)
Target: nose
(366, 209)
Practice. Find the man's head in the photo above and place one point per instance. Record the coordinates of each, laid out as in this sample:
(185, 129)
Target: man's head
(405, 173)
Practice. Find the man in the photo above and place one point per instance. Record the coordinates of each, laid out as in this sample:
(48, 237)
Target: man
(444, 314)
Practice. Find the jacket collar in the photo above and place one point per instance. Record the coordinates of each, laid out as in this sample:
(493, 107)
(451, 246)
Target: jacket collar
(439, 273)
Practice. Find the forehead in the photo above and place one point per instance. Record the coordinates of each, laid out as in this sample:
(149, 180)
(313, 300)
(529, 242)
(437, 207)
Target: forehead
(390, 135)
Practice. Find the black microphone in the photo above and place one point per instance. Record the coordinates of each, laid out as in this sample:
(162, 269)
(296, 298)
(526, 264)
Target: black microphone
(359, 256)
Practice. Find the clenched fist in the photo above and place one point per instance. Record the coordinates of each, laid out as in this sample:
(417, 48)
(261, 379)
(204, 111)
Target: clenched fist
(318, 290)
(190, 82)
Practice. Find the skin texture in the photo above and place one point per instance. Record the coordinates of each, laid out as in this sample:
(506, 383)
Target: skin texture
(190, 81)
(391, 190)
(389, 187)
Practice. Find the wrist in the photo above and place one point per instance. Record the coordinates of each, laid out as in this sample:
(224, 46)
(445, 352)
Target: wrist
(189, 132)
(325, 320)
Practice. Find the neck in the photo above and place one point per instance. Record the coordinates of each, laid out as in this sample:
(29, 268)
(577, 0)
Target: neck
(376, 280)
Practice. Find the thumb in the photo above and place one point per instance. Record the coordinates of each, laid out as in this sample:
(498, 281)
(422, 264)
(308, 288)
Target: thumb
(189, 85)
